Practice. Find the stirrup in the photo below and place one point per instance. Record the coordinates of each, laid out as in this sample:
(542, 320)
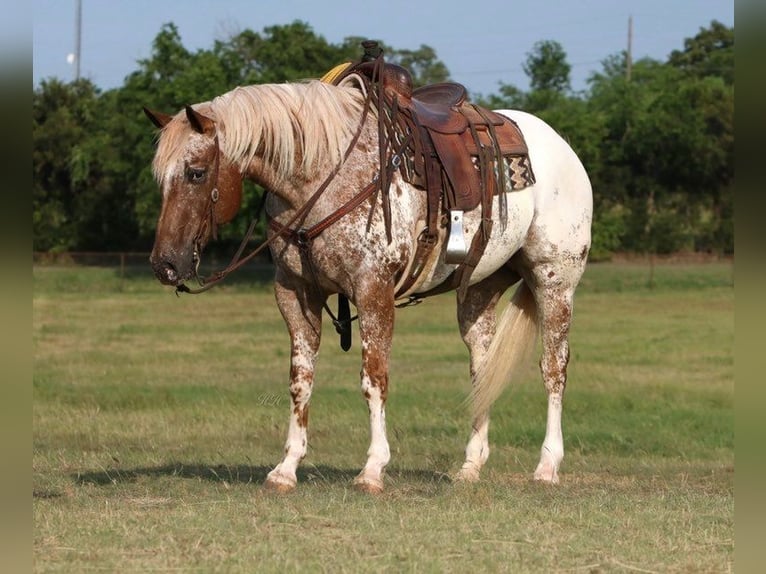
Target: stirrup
(456, 246)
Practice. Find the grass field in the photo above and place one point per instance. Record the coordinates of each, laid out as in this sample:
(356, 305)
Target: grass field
(156, 419)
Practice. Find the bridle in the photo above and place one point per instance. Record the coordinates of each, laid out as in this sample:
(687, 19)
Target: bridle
(210, 221)
(293, 228)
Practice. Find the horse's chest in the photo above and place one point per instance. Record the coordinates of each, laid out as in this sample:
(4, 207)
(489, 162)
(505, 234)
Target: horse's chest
(353, 251)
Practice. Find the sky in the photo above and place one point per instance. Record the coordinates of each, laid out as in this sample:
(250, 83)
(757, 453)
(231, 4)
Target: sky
(480, 48)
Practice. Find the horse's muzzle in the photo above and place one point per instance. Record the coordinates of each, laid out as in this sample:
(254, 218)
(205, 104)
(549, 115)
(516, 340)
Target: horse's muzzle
(166, 272)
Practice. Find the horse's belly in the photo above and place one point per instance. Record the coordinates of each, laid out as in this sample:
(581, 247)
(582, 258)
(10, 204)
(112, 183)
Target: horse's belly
(504, 241)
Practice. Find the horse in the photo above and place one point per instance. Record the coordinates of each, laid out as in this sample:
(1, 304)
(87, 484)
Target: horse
(313, 147)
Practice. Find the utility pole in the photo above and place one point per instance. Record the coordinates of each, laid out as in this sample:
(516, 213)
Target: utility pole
(77, 39)
(629, 57)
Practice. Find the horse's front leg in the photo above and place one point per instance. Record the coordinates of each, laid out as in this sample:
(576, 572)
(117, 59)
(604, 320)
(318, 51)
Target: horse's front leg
(302, 312)
(376, 326)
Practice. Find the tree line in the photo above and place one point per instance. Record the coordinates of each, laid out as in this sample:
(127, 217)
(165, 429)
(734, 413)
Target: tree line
(657, 138)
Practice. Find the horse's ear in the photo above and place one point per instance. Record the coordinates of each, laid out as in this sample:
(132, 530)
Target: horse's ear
(199, 123)
(158, 118)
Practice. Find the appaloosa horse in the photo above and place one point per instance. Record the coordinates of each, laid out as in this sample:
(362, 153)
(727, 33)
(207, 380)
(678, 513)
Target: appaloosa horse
(297, 138)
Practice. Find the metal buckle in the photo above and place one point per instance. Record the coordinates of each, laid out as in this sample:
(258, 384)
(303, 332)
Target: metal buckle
(302, 238)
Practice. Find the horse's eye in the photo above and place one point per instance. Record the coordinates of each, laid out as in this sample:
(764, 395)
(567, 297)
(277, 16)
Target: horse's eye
(195, 174)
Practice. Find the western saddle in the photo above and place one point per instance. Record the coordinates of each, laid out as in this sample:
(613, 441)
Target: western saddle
(462, 155)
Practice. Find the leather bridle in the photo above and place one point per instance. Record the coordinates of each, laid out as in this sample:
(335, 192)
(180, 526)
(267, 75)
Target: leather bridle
(287, 229)
(210, 221)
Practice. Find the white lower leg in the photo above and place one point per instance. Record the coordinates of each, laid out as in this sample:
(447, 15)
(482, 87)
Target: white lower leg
(295, 449)
(552, 452)
(378, 454)
(477, 451)
(302, 312)
(283, 476)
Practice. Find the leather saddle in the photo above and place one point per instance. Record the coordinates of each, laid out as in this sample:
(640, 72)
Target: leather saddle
(461, 154)
(464, 136)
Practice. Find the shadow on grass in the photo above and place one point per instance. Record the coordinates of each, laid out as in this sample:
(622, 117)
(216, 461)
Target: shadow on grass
(244, 474)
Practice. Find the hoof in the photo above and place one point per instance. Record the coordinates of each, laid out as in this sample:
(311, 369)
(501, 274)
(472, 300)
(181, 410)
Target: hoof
(368, 485)
(279, 485)
(467, 475)
(547, 474)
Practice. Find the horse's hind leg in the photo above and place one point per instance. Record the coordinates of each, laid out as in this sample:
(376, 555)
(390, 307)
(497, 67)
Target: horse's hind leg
(302, 313)
(554, 293)
(477, 320)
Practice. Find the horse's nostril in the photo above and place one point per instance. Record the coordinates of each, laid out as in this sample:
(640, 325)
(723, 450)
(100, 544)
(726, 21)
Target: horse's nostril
(170, 273)
(166, 272)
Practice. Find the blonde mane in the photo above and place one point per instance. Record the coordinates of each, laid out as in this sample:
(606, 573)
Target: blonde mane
(294, 126)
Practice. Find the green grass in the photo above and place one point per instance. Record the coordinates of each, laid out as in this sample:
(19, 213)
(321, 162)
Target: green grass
(156, 419)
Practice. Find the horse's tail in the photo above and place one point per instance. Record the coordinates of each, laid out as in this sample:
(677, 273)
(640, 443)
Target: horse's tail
(511, 348)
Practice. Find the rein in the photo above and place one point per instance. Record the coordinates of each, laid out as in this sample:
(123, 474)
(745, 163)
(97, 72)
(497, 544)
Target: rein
(303, 238)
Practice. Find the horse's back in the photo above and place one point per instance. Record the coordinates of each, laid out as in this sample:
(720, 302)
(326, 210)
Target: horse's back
(553, 160)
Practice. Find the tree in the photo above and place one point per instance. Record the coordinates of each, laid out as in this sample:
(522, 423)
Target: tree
(709, 54)
(281, 53)
(708, 58)
(547, 67)
(422, 63)
(659, 148)
(63, 116)
(509, 97)
(548, 73)
(667, 153)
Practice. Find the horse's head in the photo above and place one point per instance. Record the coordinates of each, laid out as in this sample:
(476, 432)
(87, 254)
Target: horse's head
(201, 189)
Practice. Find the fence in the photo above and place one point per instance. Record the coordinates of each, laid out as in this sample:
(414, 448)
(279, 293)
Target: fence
(134, 263)
(93, 258)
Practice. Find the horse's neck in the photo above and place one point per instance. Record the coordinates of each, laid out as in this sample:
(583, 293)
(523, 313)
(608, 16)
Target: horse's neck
(286, 195)
(352, 175)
